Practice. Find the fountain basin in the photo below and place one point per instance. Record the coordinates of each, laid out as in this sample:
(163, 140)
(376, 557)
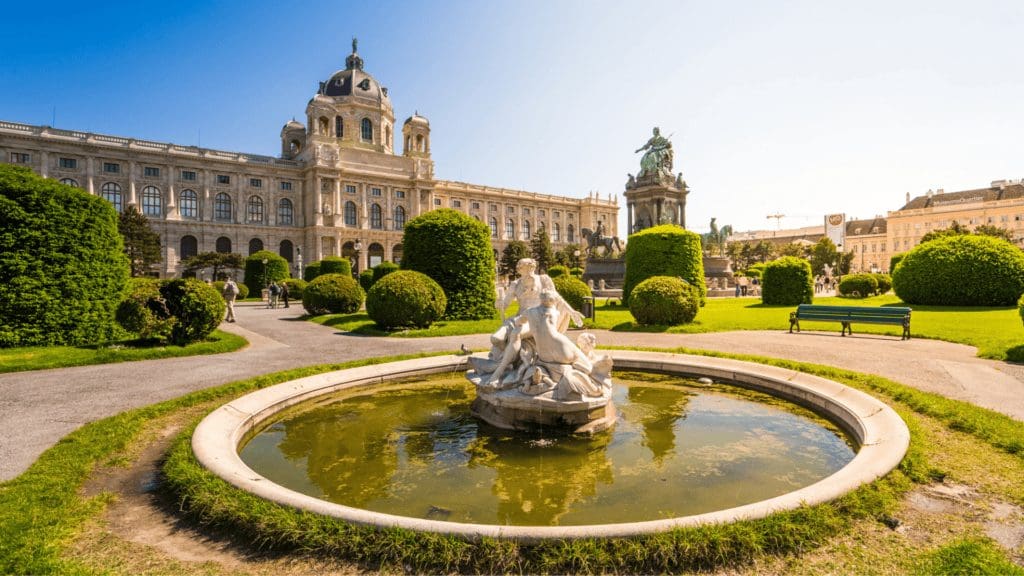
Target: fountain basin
(881, 435)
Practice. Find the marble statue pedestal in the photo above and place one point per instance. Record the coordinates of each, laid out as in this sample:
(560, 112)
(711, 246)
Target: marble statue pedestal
(513, 410)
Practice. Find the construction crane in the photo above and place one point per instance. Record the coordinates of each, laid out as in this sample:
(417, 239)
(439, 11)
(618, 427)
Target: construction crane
(778, 220)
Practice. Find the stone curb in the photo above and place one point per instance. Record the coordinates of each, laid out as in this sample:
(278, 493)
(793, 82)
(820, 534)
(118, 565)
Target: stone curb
(883, 438)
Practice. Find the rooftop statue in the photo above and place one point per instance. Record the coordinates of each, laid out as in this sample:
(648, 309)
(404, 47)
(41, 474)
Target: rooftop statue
(657, 158)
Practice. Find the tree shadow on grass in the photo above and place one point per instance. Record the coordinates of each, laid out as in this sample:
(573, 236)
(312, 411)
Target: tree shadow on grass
(1015, 354)
(633, 327)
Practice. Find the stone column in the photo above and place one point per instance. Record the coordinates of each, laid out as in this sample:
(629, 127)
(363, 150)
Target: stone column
(206, 203)
(318, 196)
(171, 212)
(337, 208)
(90, 175)
(364, 214)
(132, 198)
(629, 218)
(388, 213)
(657, 218)
(44, 166)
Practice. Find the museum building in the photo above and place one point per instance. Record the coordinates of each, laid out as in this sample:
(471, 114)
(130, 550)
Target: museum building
(338, 188)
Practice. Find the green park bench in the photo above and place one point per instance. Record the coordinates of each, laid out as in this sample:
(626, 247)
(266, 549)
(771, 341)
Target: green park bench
(846, 315)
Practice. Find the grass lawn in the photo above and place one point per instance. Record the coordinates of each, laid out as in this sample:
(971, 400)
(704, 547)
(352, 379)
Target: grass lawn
(360, 323)
(42, 357)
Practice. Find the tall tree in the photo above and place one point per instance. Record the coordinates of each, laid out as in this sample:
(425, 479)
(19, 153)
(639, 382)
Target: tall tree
(996, 231)
(825, 252)
(540, 247)
(763, 251)
(568, 256)
(141, 242)
(955, 229)
(510, 256)
(219, 261)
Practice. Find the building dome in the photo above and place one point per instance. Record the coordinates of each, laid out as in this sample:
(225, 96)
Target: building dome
(294, 125)
(353, 81)
(417, 120)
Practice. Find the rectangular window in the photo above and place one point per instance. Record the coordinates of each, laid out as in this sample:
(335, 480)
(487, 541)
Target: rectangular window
(375, 192)
(399, 193)
(492, 207)
(151, 172)
(456, 203)
(68, 163)
(555, 214)
(540, 213)
(1004, 218)
(223, 179)
(326, 185)
(475, 205)
(571, 217)
(188, 175)
(111, 167)
(991, 219)
(20, 158)
(286, 185)
(350, 189)
(526, 211)
(437, 201)
(511, 209)
(255, 183)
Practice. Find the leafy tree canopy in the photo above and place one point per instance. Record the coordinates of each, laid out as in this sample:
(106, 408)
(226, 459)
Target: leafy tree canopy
(141, 242)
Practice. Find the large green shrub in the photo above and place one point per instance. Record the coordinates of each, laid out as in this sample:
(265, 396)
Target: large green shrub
(311, 272)
(296, 287)
(383, 269)
(962, 270)
(405, 299)
(366, 279)
(664, 300)
(572, 289)
(557, 270)
(196, 306)
(334, 294)
(144, 311)
(334, 265)
(894, 260)
(62, 264)
(666, 250)
(787, 281)
(455, 250)
(258, 276)
(858, 285)
(884, 282)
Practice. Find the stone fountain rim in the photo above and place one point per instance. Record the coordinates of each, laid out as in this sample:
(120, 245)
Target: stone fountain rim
(882, 435)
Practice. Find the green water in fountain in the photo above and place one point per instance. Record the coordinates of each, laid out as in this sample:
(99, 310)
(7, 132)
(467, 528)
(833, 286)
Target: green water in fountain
(678, 448)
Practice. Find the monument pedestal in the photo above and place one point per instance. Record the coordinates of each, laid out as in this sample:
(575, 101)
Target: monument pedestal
(513, 410)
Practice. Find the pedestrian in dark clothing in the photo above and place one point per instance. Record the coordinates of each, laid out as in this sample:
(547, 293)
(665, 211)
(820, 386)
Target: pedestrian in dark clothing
(284, 293)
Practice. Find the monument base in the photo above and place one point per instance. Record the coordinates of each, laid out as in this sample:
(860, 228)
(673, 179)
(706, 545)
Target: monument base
(513, 410)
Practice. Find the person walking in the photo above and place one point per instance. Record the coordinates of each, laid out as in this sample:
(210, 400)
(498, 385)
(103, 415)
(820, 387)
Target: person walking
(284, 293)
(274, 291)
(230, 292)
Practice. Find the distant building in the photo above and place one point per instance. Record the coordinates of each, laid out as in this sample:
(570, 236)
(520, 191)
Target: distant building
(338, 188)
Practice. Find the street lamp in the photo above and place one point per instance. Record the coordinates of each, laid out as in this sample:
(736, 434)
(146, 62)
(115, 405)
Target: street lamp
(359, 248)
(265, 284)
(576, 258)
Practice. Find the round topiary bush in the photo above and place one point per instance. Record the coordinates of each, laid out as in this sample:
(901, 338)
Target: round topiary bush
(333, 294)
(311, 272)
(258, 276)
(405, 299)
(573, 290)
(666, 250)
(296, 286)
(383, 269)
(963, 270)
(455, 250)
(144, 311)
(664, 300)
(62, 263)
(557, 270)
(334, 265)
(858, 285)
(366, 280)
(196, 306)
(884, 282)
(787, 281)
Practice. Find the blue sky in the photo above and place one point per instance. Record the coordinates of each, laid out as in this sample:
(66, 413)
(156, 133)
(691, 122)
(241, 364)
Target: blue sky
(799, 108)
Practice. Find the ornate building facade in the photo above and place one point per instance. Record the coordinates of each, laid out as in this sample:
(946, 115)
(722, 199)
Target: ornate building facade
(338, 188)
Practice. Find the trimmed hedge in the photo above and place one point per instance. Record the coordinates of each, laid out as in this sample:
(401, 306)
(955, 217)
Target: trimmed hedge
(62, 263)
(311, 272)
(383, 269)
(557, 270)
(333, 265)
(405, 298)
(366, 279)
(296, 287)
(333, 294)
(894, 260)
(143, 311)
(962, 270)
(455, 251)
(572, 289)
(664, 300)
(257, 277)
(858, 285)
(665, 250)
(787, 281)
(197, 309)
(884, 282)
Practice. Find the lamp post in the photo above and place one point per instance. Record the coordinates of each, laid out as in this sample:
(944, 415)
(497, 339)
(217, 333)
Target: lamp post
(265, 285)
(359, 248)
(576, 258)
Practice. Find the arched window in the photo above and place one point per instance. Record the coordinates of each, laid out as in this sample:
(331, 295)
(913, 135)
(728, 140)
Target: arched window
(222, 207)
(376, 217)
(188, 205)
(255, 245)
(367, 130)
(494, 227)
(375, 253)
(254, 209)
(285, 250)
(399, 218)
(151, 201)
(224, 245)
(111, 192)
(350, 213)
(420, 146)
(323, 125)
(556, 232)
(285, 214)
(339, 127)
(510, 229)
(189, 247)
(396, 254)
(69, 182)
(526, 229)
(570, 233)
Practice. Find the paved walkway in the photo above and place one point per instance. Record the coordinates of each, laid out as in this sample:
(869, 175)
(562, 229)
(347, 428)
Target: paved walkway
(39, 408)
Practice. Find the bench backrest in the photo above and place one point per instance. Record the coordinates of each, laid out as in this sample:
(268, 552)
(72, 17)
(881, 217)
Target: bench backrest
(853, 311)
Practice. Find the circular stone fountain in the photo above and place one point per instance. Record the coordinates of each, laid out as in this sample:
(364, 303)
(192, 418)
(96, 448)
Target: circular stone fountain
(879, 434)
